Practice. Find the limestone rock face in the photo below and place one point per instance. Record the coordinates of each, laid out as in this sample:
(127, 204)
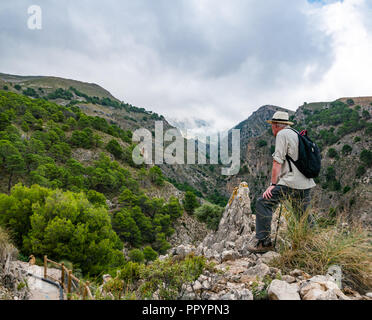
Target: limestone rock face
(12, 274)
(235, 230)
(321, 288)
(281, 290)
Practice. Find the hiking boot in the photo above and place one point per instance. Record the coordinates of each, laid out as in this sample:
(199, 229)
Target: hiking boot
(260, 246)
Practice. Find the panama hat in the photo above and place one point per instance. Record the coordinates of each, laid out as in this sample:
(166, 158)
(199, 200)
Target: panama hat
(280, 117)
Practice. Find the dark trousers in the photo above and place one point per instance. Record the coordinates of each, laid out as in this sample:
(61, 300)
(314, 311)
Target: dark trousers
(300, 200)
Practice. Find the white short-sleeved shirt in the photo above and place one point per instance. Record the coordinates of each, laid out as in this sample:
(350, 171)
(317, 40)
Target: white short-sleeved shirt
(287, 143)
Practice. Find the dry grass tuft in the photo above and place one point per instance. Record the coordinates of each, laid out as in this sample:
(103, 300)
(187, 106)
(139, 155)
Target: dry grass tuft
(6, 247)
(314, 250)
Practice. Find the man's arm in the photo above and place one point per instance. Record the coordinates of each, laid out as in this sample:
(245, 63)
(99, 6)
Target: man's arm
(274, 179)
(277, 167)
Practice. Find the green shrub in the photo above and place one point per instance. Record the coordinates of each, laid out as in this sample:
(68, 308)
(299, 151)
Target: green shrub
(185, 187)
(82, 139)
(346, 189)
(190, 202)
(346, 149)
(366, 115)
(156, 176)
(366, 157)
(360, 171)
(60, 94)
(30, 92)
(173, 208)
(96, 198)
(149, 253)
(209, 214)
(217, 198)
(332, 153)
(136, 255)
(369, 129)
(169, 278)
(114, 148)
(126, 227)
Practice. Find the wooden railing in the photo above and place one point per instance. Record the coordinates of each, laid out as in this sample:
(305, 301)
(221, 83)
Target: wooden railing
(68, 288)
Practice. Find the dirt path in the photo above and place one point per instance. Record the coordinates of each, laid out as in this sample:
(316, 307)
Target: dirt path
(39, 289)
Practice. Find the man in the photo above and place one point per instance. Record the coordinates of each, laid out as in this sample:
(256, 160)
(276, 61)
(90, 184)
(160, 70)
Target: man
(286, 181)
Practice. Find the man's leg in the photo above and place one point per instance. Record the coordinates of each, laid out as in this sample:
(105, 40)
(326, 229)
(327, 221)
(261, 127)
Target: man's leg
(301, 204)
(306, 204)
(264, 212)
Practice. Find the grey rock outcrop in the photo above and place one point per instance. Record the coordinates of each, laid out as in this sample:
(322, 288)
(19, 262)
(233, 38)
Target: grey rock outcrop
(13, 277)
(235, 230)
(241, 275)
(321, 288)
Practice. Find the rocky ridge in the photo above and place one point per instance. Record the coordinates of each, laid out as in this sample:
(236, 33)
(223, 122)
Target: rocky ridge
(241, 275)
(13, 276)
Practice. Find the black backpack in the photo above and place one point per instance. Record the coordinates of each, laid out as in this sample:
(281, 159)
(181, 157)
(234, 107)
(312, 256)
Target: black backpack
(309, 158)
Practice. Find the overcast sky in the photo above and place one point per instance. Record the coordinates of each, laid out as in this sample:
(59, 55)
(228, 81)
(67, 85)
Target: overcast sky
(214, 60)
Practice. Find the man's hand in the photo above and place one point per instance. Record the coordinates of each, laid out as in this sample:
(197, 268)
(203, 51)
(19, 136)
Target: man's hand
(267, 194)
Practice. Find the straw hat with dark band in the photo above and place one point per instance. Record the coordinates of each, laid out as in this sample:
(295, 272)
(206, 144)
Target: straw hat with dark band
(280, 117)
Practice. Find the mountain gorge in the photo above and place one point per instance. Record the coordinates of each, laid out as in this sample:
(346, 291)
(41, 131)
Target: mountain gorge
(68, 176)
(342, 129)
(257, 143)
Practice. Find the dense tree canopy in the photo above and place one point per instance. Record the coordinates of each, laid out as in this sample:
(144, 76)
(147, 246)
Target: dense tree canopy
(64, 214)
(62, 225)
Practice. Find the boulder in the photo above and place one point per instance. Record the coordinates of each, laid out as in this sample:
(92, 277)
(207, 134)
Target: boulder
(321, 288)
(335, 272)
(182, 251)
(236, 294)
(281, 290)
(299, 273)
(197, 285)
(245, 294)
(229, 255)
(269, 256)
(259, 270)
(288, 279)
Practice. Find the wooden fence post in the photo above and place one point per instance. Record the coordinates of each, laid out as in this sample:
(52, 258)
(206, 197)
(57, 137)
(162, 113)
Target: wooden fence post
(63, 275)
(85, 292)
(69, 285)
(45, 266)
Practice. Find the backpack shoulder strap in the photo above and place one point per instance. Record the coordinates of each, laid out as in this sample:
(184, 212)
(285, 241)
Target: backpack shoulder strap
(289, 159)
(292, 130)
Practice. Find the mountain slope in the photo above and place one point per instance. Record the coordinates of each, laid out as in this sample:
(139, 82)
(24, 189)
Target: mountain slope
(343, 131)
(333, 125)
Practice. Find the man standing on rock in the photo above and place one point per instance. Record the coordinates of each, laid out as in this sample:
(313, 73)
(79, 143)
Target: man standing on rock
(286, 182)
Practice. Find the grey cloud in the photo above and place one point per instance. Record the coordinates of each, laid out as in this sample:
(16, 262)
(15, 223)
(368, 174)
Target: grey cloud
(175, 56)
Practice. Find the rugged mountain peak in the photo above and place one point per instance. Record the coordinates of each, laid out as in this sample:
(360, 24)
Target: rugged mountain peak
(256, 124)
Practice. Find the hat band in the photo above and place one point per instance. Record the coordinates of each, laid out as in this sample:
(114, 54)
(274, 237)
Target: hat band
(280, 120)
